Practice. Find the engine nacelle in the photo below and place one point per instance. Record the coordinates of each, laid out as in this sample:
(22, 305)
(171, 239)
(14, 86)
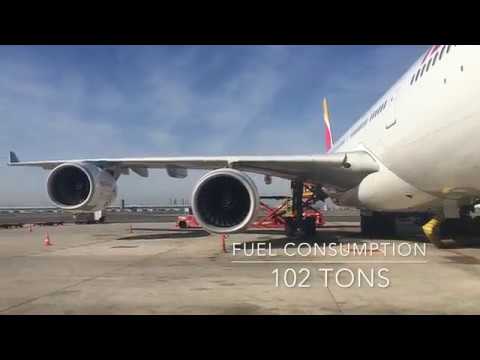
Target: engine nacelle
(225, 201)
(81, 187)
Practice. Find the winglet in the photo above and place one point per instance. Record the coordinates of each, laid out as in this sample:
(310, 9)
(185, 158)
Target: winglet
(13, 158)
(328, 130)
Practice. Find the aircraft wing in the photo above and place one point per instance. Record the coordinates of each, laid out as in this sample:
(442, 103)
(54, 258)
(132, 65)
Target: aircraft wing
(339, 170)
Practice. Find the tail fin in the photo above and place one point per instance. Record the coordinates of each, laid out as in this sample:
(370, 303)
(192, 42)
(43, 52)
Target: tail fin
(13, 158)
(328, 130)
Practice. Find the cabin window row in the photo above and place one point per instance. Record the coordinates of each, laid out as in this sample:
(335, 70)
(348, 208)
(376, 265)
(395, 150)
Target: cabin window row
(372, 116)
(378, 111)
(431, 63)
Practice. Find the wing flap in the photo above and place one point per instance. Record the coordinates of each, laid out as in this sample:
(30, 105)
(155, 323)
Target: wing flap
(340, 170)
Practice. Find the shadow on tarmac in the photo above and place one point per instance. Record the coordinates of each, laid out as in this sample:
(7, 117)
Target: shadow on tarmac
(326, 234)
(178, 234)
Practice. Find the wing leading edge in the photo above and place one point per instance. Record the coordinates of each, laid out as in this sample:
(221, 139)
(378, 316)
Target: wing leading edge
(339, 170)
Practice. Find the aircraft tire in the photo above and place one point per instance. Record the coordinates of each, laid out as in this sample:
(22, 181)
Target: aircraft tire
(309, 226)
(377, 224)
(290, 229)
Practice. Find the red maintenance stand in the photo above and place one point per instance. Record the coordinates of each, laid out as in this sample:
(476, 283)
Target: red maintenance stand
(281, 216)
(293, 215)
(273, 216)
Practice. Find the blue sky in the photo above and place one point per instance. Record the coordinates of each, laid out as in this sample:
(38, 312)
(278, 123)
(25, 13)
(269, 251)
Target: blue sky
(106, 101)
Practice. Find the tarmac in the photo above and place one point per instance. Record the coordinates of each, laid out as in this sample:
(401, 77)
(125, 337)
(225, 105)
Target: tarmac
(155, 268)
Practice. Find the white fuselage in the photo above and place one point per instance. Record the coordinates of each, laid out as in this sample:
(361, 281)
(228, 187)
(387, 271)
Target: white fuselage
(424, 137)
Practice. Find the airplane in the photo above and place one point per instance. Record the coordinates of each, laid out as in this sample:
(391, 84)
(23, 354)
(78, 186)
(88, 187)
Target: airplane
(413, 152)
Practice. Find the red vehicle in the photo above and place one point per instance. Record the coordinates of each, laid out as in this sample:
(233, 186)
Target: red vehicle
(187, 222)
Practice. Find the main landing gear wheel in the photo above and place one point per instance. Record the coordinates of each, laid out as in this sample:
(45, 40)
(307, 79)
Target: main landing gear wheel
(378, 225)
(290, 228)
(308, 227)
(440, 232)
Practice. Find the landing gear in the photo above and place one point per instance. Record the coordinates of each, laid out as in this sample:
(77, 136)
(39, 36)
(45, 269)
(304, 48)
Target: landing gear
(309, 226)
(297, 224)
(290, 227)
(439, 230)
(432, 231)
(378, 224)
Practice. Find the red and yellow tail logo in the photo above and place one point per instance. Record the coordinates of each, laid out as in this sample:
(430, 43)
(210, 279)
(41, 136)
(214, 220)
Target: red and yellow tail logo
(328, 130)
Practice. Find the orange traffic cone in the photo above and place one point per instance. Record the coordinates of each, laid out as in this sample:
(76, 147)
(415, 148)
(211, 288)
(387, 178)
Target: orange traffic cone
(223, 238)
(47, 241)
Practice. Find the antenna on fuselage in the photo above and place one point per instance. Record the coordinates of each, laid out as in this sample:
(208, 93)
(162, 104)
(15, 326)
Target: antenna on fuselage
(328, 129)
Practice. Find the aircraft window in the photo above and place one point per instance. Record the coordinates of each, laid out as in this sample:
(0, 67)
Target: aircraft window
(435, 59)
(418, 74)
(428, 65)
(413, 78)
(448, 48)
(423, 69)
(441, 53)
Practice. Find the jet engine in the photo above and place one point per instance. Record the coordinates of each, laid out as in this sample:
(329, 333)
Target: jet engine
(81, 187)
(225, 201)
